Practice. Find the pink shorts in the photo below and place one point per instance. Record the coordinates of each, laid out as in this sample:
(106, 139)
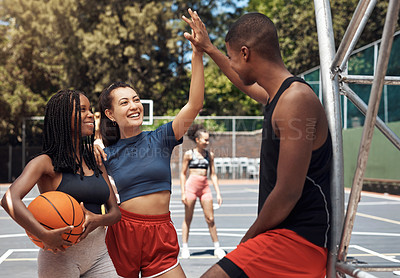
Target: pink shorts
(197, 186)
(278, 253)
(143, 243)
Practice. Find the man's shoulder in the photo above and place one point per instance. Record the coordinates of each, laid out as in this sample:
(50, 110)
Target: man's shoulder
(300, 96)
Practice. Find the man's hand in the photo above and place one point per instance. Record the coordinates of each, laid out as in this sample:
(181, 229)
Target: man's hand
(199, 36)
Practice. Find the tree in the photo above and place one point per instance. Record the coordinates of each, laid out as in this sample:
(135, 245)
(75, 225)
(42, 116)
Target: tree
(87, 44)
(295, 21)
(17, 101)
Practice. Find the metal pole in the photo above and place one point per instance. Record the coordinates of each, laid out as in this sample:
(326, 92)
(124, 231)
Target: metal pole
(352, 34)
(362, 106)
(365, 79)
(331, 101)
(373, 105)
(352, 271)
(379, 267)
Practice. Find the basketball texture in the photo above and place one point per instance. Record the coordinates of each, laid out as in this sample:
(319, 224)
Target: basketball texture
(56, 209)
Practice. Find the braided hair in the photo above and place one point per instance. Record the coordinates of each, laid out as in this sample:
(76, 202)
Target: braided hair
(194, 131)
(109, 130)
(59, 142)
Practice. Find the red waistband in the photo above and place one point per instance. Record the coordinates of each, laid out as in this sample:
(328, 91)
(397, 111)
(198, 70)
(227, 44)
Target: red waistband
(159, 218)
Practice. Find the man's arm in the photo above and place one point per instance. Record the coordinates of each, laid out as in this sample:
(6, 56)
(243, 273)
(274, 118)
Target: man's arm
(202, 41)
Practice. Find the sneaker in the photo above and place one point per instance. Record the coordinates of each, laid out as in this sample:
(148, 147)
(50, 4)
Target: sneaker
(185, 253)
(219, 252)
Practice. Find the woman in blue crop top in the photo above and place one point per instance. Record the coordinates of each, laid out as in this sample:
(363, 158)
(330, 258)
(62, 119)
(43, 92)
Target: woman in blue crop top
(67, 164)
(199, 161)
(144, 241)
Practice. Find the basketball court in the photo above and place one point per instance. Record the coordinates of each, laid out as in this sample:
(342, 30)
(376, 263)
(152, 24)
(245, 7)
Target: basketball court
(375, 237)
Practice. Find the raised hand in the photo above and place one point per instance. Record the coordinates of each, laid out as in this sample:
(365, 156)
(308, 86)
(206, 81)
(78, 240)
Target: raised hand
(199, 36)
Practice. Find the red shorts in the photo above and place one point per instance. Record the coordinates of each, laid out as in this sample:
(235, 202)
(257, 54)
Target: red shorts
(278, 253)
(197, 186)
(143, 243)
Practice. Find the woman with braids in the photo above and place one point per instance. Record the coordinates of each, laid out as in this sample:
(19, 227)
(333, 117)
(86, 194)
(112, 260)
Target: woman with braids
(67, 164)
(199, 161)
(145, 240)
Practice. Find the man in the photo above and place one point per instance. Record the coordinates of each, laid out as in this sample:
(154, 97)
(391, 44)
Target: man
(289, 238)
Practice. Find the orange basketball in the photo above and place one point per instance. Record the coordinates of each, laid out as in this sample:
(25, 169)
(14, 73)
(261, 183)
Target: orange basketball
(56, 209)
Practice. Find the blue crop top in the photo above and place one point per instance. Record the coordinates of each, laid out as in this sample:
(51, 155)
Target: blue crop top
(92, 191)
(141, 164)
(197, 163)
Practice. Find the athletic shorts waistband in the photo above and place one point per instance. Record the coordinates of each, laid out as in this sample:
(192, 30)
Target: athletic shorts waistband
(148, 219)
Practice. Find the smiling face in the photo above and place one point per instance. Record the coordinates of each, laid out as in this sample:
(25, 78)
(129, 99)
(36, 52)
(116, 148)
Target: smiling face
(126, 111)
(203, 140)
(87, 119)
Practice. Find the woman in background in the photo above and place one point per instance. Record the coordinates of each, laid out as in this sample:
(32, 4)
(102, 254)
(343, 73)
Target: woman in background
(199, 161)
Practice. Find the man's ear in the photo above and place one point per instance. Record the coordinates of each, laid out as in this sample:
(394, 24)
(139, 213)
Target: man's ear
(109, 114)
(245, 52)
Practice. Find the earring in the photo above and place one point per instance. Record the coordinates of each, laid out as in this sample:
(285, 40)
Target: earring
(114, 123)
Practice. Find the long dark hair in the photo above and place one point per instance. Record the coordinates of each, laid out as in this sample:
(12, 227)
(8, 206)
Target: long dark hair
(109, 130)
(58, 141)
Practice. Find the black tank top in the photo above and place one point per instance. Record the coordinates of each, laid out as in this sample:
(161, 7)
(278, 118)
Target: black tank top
(92, 191)
(310, 217)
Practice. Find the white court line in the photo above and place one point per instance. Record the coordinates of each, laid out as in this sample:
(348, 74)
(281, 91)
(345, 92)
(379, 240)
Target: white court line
(381, 203)
(216, 206)
(10, 251)
(376, 195)
(219, 229)
(219, 234)
(211, 248)
(199, 230)
(388, 258)
(375, 234)
(12, 235)
(178, 192)
(381, 196)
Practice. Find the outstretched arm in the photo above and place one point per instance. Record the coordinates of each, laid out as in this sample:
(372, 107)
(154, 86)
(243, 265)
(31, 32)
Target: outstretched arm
(202, 41)
(192, 108)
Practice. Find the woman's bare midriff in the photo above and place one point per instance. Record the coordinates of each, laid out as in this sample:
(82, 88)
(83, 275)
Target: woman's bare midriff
(151, 204)
(198, 172)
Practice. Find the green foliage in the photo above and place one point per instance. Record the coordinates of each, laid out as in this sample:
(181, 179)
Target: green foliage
(87, 44)
(222, 98)
(295, 21)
